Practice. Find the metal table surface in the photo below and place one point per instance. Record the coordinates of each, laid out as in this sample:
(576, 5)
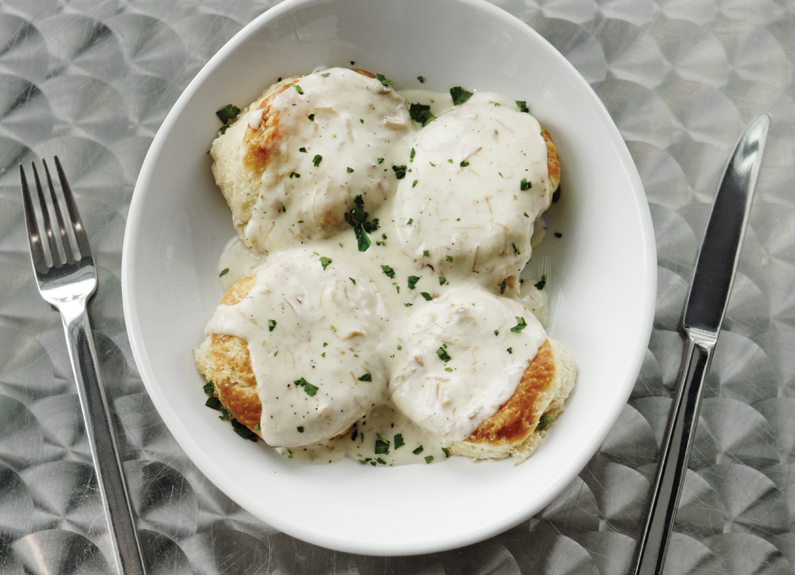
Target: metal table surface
(92, 80)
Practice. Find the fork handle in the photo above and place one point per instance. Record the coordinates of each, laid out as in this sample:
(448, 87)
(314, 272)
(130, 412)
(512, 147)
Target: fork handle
(102, 439)
(676, 446)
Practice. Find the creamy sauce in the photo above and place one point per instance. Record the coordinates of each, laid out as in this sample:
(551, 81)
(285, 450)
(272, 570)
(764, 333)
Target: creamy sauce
(407, 311)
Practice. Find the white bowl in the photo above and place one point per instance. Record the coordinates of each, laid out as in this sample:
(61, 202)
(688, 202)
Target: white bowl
(602, 286)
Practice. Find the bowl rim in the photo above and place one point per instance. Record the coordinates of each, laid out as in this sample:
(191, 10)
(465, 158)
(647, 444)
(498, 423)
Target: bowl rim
(189, 444)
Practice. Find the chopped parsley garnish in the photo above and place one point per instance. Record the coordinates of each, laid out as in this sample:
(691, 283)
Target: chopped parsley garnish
(400, 347)
(325, 344)
(421, 114)
(520, 324)
(448, 369)
(227, 113)
(294, 175)
(323, 354)
(324, 261)
(357, 218)
(414, 183)
(243, 431)
(496, 332)
(408, 304)
(257, 426)
(361, 120)
(516, 250)
(524, 185)
(208, 388)
(298, 89)
(411, 155)
(334, 329)
(400, 171)
(449, 258)
(224, 128)
(421, 79)
(413, 281)
(310, 389)
(302, 150)
(381, 445)
(380, 160)
(493, 102)
(312, 117)
(543, 423)
(442, 280)
(388, 272)
(446, 452)
(428, 458)
(502, 287)
(556, 196)
(383, 79)
(410, 221)
(317, 159)
(426, 254)
(352, 280)
(349, 170)
(443, 355)
(509, 350)
(464, 164)
(418, 450)
(541, 283)
(223, 272)
(271, 324)
(213, 403)
(522, 105)
(558, 235)
(450, 160)
(525, 215)
(459, 95)
(326, 75)
(366, 377)
(399, 441)
(426, 295)
(300, 428)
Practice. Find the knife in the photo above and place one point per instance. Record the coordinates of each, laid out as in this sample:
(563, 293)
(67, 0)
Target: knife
(704, 310)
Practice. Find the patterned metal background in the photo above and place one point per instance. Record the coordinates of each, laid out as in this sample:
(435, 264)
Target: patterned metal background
(92, 81)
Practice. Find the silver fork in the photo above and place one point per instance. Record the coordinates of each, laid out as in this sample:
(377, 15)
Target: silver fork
(67, 281)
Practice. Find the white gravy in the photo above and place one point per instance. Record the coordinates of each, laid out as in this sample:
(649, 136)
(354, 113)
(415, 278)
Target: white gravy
(409, 312)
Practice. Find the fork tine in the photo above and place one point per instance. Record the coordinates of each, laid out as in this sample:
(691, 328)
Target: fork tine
(74, 216)
(45, 214)
(34, 234)
(67, 245)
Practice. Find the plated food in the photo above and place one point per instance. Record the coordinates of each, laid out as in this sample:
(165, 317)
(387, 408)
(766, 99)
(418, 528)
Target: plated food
(374, 305)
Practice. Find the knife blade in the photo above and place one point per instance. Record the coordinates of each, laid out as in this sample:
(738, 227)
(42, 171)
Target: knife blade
(705, 309)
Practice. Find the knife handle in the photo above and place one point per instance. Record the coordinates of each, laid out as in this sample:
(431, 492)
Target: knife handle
(675, 448)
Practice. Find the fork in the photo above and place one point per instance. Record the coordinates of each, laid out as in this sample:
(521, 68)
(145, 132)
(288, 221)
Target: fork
(66, 282)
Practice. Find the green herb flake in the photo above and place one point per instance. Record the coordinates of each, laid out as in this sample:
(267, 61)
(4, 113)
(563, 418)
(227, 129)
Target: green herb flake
(243, 431)
(502, 287)
(459, 95)
(525, 215)
(380, 160)
(493, 102)
(324, 261)
(418, 450)
(541, 283)
(400, 347)
(421, 114)
(524, 185)
(411, 155)
(352, 280)
(509, 350)
(366, 377)
(428, 458)
(334, 329)
(227, 113)
(317, 159)
(412, 281)
(381, 445)
(208, 388)
(298, 89)
(311, 117)
(361, 120)
(446, 452)
(357, 218)
(349, 170)
(302, 150)
(388, 272)
(257, 427)
(520, 324)
(443, 355)
(543, 423)
(271, 324)
(410, 221)
(464, 164)
(310, 389)
(213, 403)
(323, 354)
(522, 105)
(558, 235)
(300, 428)
(400, 171)
(325, 344)
(496, 332)
(383, 79)
(223, 130)
(408, 304)
(426, 254)
(450, 369)
(294, 175)
(426, 295)
(442, 280)
(223, 272)
(449, 258)
(450, 160)
(421, 79)
(516, 250)
(399, 441)
(326, 75)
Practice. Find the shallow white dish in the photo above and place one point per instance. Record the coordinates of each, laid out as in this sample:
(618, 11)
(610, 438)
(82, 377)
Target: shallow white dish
(603, 279)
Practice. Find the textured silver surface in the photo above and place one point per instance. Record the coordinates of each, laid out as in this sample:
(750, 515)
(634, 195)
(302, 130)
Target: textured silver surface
(91, 80)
